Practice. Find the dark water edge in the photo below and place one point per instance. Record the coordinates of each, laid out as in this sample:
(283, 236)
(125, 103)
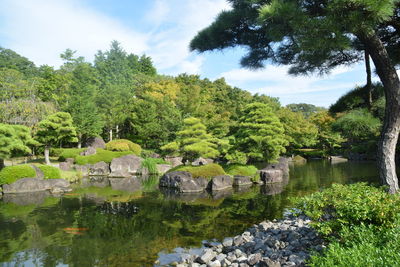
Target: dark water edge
(97, 226)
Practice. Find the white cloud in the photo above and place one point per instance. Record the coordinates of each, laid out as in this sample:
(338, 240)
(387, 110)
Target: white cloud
(275, 80)
(42, 29)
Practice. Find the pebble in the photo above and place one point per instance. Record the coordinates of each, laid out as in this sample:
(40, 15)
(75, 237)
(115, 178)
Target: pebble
(280, 243)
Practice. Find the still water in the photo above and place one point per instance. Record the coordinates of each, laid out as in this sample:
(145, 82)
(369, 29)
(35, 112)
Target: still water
(97, 226)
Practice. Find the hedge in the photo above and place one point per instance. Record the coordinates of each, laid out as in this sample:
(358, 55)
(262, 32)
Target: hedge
(207, 171)
(124, 145)
(50, 172)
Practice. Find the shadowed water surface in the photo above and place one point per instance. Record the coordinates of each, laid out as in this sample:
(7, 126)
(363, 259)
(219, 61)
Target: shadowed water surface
(101, 226)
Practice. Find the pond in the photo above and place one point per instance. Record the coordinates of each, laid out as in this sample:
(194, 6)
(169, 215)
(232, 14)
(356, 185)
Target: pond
(99, 226)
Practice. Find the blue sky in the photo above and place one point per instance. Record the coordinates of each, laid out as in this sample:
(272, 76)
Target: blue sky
(162, 29)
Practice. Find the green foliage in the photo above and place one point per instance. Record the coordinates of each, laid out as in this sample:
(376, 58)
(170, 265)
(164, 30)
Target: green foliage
(14, 140)
(236, 157)
(260, 134)
(11, 60)
(124, 145)
(101, 155)
(206, 171)
(64, 153)
(56, 128)
(361, 246)
(328, 139)
(350, 205)
(311, 153)
(358, 125)
(11, 174)
(306, 109)
(50, 172)
(194, 141)
(243, 170)
(151, 164)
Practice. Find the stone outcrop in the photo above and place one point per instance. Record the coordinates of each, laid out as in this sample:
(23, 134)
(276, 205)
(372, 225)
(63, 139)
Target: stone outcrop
(163, 168)
(282, 164)
(337, 159)
(175, 161)
(65, 166)
(183, 182)
(241, 180)
(270, 176)
(96, 142)
(35, 185)
(99, 169)
(220, 182)
(84, 169)
(125, 166)
(89, 151)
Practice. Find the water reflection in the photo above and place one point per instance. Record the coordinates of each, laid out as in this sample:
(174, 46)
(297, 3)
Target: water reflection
(130, 227)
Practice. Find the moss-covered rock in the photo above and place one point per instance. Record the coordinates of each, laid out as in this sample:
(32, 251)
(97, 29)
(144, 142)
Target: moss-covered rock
(243, 170)
(11, 174)
(207, 171)
(124, 145)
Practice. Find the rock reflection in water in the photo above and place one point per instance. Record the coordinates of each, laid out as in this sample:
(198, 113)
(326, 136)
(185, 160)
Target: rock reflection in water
(275, 188)
(96, 181)
(31, 198)
(127, 209)
(131, 184)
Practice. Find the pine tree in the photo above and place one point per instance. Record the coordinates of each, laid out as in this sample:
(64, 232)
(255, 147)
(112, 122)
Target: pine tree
(55, 129)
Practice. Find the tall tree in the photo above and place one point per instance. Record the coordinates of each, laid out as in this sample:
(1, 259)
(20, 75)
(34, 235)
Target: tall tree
(54, 130)
(260, 134)
(81, 102)
(316, 35)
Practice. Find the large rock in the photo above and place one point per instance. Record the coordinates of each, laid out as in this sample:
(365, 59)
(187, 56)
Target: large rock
(99, 169)
(271, 176)
(84, 169)
(89, 151)
(163, 168)
(241, 180)
(175, 161)
(337, 159)
(125, 166)
(183, 182)
(221, 182)
(35, 184)
(65, 166)
(282, 164)
(130, 184)
(96, 142)
(202, 161)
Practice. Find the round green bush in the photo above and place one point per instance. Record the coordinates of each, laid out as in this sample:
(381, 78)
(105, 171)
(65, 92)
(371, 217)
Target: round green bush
(50, 172)
(124, 145)
(11, 174)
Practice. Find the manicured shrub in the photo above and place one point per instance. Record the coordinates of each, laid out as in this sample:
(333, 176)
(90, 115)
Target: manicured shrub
(101, 155)
(243, 170)
(50, 172)
(350, 205)
(124, 145)
(65, 153)
(10, 174)
(207, 171)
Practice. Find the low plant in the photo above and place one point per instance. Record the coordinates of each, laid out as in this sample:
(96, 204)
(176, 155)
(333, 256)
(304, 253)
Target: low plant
(207, 171)
(243, 170)
(11, 174)
(350, 205)
(65, 153)
(151, 164)
(50, 172)
(101, 155)
(124, 145)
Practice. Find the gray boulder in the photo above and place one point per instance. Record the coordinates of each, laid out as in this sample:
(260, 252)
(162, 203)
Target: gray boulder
(70, 160)
(202, 161)
(84, 169)
(99, 169)
(337, 159)
(271, 176)
(125, 166)
(175, 161)
(96, 142)
(130, 184)
(221, 182)
(183, 182)
(163, 168)
(241, 180)
(65, 166)
(35, 185)
(282, 164)
(89, 151)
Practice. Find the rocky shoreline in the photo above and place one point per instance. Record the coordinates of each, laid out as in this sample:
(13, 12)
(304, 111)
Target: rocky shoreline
(277, 243)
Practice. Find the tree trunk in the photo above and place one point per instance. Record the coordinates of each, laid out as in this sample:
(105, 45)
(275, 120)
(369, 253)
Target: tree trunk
(1, 164)
(47, 155)
(391, 126)
(111, 134)
(369, 78)
(80, 141)
(117, 131)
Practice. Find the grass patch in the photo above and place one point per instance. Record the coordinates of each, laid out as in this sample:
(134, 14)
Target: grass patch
(151, 164)
(207, 171)
(71, 176)
(311, 153)
(11, 174)
(101, 155)
(69, 153)
(50, 172)
(243, 170)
